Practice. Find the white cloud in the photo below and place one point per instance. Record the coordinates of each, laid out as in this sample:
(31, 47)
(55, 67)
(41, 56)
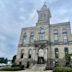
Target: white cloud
(62, 11)
(21, 17)
(2, 38)
(21, 9)
(51, 1)
(2, 5)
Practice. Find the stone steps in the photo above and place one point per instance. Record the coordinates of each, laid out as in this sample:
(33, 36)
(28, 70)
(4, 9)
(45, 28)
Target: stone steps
(36, 71)
(38, 67)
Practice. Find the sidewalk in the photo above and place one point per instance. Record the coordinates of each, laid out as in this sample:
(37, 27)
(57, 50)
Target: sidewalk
(27, 71)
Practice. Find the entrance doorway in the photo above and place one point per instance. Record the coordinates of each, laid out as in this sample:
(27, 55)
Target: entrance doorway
(41, 56)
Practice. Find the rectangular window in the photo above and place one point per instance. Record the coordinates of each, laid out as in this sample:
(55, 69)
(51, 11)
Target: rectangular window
(42, 36)
(55, 38)
(24, 41)
(31, 39)
(65, 40)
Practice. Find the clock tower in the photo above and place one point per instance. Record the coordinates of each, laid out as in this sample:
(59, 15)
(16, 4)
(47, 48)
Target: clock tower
(44, 15)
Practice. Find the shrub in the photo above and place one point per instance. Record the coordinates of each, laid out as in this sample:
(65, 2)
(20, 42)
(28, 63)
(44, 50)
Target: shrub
(15, 65)
(10, 69)
(49, 68)
(13, 68)
(63, 69)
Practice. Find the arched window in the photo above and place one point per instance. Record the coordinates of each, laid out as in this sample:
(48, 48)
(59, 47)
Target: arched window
(24, 39)
(55, 36)
(42, 34)
(31, 37)
(20, 63)
(22, 53)
(30, 53)
(66, 50)
(56, 53)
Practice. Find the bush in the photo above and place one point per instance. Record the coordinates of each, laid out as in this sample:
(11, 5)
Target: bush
(63, 69)
(49, 68)
(15, 65)
(13, 68)
(10, 69)
(21, 66)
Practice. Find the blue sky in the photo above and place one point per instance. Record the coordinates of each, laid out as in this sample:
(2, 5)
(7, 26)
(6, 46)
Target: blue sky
(16, 14)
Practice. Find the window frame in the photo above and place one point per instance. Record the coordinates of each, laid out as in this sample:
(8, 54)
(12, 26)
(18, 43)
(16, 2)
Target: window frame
(65, 37)
(56, 53)
(22, 54)
(66, 51)
(31, 38)
(24, 39)
(42, 34)
(56, 39)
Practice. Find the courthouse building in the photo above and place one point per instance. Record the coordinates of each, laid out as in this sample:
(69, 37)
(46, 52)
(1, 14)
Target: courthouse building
(49, 41)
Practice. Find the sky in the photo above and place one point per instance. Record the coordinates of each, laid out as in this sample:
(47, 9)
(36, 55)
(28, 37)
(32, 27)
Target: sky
(16, 14)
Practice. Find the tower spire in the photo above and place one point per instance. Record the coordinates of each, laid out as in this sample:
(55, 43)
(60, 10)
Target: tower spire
(44, 7)
(44, 14)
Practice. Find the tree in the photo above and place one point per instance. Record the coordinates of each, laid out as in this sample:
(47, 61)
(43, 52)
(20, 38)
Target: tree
(14, 58)
(3, 60)
(6, 61)
(68, 59)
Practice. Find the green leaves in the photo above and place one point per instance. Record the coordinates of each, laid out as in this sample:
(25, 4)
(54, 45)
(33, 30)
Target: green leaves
(63, 69)
(14, 58)
(3, 60)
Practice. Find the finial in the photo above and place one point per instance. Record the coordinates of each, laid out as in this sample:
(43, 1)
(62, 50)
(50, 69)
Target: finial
(45, 3)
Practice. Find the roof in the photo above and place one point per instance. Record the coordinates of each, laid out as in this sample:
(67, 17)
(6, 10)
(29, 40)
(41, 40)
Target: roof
(61, 24)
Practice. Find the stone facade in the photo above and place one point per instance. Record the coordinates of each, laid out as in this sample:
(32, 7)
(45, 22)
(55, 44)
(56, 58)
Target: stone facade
(46, 36)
